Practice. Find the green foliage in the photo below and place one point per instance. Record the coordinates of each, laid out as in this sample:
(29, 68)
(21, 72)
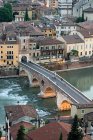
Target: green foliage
(0, 133)
(47, 121)
(79, 19)
(9, 7)
(6, 13)
(75, 133)
(26, 18)
(21, 133)
(60, 138)
(74, 52)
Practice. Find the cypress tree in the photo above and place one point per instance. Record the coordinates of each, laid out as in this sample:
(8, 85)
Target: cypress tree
(60, 138)
(75, 133)
(26, 18)
(21, 133)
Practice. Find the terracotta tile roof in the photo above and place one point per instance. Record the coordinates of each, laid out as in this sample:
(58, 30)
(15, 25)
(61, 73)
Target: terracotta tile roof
(82, 106)
(86, 25)
(87, 33)
(47, 41)
(14, 112)
(50, 131)
(89, 116)
(14, 129)
(89, 10)
(71, 39)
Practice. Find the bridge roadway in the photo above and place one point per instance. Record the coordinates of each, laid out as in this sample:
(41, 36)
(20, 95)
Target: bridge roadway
(70, 91)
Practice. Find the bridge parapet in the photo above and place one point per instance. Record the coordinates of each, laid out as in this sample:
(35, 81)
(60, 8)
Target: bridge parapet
(51, 85)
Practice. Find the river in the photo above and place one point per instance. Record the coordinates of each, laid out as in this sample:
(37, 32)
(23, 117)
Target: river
(16, 90)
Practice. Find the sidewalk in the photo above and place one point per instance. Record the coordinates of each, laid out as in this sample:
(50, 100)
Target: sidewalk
(69, 66)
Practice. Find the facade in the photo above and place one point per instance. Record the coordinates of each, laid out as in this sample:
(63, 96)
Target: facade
(51, 3)
(20, 10)
(81, 110)
(9, 51)
(46, 50)
(65, 7)
(64, 28)
(87, 37)
(48, 30)
(88, 14)
(74, 42)
(80, 6)
(19, 18)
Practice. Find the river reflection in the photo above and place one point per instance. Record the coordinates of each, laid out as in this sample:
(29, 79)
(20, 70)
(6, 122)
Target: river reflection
(81, 79)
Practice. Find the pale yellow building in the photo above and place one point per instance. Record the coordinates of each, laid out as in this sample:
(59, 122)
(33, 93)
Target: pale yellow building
(20, 10)
(49, 31)
(81, 110)
(9, 51)
(87, 36)
(74, 42)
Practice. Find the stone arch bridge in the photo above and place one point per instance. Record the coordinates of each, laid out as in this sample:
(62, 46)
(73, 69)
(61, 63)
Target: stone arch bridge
(51, 85)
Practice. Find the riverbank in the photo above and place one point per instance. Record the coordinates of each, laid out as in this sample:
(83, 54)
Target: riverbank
(68, 66)
(70, 69)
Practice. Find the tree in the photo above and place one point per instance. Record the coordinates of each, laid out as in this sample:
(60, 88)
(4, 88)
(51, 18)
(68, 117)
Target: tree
(26, 18)
(76, 133)
(9, 7)
(0, 134)
(4, 15)
(74, 52)
(21, 133)
(60, 137)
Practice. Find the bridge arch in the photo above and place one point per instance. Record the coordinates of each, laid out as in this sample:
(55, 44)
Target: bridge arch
(49, 92)
(65, 105)
(24, 72)
(35, 82)
(23, 59)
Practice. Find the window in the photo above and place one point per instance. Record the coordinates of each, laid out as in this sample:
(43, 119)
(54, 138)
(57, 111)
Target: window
(1, 51)
(81, 53)
(85, 52)
(82, 111)
(33, 54)
(7, 62)
(12, 62)
(23, 47)
(24, 40)
(89, 52)
(10, 57)
(53, 47)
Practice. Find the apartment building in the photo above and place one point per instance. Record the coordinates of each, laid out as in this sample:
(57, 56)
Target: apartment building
(87, 37)
(9, 51)
(46, 50)
(65, 7)
(80, 6)
(74, 42)
(51, 3)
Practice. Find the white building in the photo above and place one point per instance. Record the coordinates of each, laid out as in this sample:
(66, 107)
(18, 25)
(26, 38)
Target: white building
(87, 37)
(88, 14)
(65, 28)
(80, 6)
(65, 7)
